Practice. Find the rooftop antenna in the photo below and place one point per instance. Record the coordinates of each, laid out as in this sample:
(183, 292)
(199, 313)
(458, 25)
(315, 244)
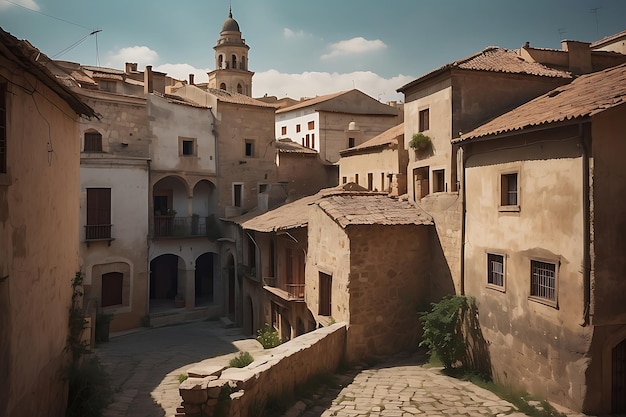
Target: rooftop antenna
(561, 33)
(595, 13)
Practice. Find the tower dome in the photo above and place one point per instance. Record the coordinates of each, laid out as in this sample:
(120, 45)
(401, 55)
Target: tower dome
(230, 24)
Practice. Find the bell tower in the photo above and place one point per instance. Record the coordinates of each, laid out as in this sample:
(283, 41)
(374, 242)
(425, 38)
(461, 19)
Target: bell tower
(231, 60)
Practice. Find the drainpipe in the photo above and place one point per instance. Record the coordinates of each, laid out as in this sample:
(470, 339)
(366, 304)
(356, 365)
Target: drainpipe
(148, 238)
(586, 227)
(463, 159)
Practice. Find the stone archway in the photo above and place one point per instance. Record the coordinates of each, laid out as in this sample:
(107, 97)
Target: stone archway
(204, 279)
(163, 281)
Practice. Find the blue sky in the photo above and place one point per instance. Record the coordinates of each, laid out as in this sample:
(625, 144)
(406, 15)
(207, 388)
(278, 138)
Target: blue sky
(305, 48)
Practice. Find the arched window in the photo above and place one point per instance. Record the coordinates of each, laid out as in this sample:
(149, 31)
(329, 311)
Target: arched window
(220, 61)
(234, 58)
(93, 141)
(243, 62)
(239, 88)
(222, 86)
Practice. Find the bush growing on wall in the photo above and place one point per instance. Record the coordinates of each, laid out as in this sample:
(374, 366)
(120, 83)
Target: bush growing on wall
(443, 333)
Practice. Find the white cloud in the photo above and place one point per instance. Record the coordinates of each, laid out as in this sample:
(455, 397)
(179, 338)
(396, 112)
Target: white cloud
(353, 46)
(289, 33)
(142, 55)
(182, 71)
(311, 84)
(29, 4)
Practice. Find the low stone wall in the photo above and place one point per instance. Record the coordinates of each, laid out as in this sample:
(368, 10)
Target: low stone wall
(243, 392)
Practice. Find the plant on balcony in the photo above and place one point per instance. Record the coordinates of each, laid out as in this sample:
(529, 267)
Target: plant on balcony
(170, 212)
(420, 142)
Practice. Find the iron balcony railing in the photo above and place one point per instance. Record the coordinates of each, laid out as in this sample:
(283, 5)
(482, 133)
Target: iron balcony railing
(177, 226)
(98, 231)
(294, 291)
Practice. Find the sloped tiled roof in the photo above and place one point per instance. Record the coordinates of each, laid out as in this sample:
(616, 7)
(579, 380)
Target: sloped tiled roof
(32, 60)
(347, 204)
(311, 102)
(608, 39)
(372, 208)
(236, 98)
(495, 59)
(286, 145)
(388, 137)
(584, 97)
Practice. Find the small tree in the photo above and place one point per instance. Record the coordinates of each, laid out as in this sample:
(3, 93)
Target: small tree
(442, 330)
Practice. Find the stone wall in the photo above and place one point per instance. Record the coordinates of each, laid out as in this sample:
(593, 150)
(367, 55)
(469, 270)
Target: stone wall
(243, 392)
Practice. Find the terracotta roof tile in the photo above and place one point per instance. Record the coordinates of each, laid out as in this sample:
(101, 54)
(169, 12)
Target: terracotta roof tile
(372, 208)
(607, 39)
(286, 145)
(236, 98)
(495, 59)
(587, 95)
(388, 137)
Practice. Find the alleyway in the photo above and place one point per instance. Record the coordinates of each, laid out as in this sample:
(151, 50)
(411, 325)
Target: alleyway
(144, 367)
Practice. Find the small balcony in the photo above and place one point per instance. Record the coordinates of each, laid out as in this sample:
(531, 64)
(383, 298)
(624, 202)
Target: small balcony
(177, 226)
(98, 232)
(288, 291)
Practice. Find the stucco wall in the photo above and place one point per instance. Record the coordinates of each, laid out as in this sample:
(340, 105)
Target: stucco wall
(304, 174)
(38, 246)
(129, 217)
(532, 345)
(379, 161)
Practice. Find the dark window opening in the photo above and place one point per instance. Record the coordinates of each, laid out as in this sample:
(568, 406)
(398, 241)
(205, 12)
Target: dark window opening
(112, 285)
(424, 122)
(249, 148)
(188, 147)
(351, 142)
(325, 283)
(439, 181)
(3, 128)
(98, 214)
(238, 194)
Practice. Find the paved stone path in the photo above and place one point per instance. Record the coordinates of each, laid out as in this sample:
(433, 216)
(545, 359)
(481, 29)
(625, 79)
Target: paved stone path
(144, 368)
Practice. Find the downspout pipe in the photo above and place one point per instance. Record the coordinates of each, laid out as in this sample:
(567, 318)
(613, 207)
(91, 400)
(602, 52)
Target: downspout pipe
(463, 160)
(586, 266)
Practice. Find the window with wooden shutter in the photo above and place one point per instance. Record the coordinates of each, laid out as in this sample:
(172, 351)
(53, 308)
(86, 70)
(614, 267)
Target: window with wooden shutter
(325, 286)
(98, 214)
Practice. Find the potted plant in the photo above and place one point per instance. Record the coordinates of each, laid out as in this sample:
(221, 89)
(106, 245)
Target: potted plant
(420, 142)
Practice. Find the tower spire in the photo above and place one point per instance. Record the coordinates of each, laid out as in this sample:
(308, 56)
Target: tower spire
(230, 9)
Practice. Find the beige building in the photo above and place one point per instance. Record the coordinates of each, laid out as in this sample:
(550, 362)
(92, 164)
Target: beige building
(333, 122)
(378, 164)
(613, 43)
(544, 250)
(441, 105)
(39, 182)
(331, 257)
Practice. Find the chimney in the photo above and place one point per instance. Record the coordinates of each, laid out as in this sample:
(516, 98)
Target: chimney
(148, 80)
(191, 79)
(131, 67)
(579, 56)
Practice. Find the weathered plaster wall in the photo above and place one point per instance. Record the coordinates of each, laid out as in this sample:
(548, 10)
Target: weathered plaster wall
(129, 217)
(388, 285)
(38, 245)
(380, 162)
(305, 174)
(531, 345)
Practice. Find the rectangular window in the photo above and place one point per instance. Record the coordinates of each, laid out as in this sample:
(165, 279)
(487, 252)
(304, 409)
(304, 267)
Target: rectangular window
(311, 125)
(508, 190)
(188, 147)
(325, 283)
(439, 181)
(495, 270)
(370, 181)
(93, 142)
(3, 128)
(543, 281)
(344, 180)
(424, 123)
(297, 128)
(237, 195)
(283, 130)
(98, 214)
(351, 142)
(312, 140)
(249, 148)
(356, 178)
(382, 181)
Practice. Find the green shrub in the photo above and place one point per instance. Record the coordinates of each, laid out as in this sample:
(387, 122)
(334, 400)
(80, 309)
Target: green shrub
(442, 330)
(244, 359)
(268, 337)
(420, 141)
(89, 390)
(182, 378)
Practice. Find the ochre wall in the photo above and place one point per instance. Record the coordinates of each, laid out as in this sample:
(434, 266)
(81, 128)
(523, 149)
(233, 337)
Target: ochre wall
(38, 245)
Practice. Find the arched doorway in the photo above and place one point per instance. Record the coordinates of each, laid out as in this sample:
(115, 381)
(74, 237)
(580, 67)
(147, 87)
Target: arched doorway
(618, 373)
(163, 282)
(204, 279)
